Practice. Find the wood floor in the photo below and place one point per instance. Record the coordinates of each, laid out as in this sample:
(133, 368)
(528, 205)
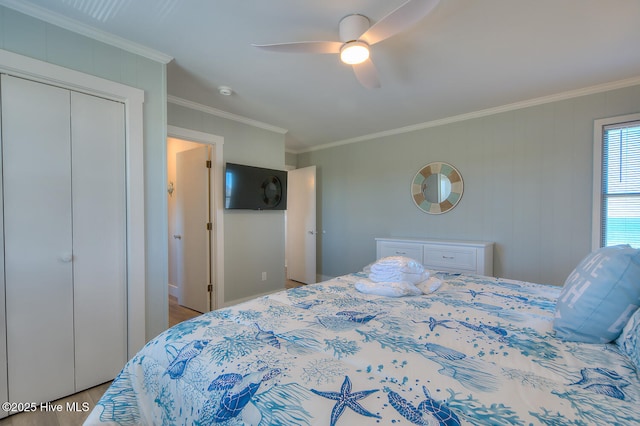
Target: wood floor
(91, 396)
(177, 314)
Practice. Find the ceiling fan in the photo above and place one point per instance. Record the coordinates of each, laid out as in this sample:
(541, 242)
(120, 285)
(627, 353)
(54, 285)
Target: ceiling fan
(357, 36)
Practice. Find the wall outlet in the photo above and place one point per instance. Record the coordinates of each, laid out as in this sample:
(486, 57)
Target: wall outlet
(264, 276)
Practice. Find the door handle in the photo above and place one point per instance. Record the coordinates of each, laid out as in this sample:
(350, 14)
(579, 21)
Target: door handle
(66, 257)
(313, 232)
(177, 237)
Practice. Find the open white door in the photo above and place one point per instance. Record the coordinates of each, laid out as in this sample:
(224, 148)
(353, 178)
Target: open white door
(301, 225)
(192, 217)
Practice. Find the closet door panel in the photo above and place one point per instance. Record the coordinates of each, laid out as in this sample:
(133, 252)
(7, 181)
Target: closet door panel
(99, 238)
(38, 247)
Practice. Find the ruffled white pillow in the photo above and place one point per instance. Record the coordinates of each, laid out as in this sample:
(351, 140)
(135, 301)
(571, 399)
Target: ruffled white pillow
(430, 285)
(389, 289)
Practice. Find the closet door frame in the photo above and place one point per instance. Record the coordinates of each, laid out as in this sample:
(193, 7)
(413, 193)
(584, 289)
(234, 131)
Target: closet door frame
(133, 99)
(4, 374)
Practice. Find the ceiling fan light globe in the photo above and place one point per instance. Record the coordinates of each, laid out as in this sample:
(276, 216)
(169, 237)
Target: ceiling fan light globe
(354, 52)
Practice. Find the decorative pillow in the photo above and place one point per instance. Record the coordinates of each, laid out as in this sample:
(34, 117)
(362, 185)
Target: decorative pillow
(629, 340)
(599, 296)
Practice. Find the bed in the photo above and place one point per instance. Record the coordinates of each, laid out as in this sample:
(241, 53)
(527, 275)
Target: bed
(478, 350)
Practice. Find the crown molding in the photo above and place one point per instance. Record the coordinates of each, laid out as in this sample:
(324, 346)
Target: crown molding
(223, 114)
(85, 30)
(619, 84)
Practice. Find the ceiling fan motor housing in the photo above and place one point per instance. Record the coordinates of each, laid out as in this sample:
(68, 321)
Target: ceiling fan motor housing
(352, 27)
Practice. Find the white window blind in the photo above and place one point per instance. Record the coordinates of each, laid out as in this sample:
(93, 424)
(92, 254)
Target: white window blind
(620, 191)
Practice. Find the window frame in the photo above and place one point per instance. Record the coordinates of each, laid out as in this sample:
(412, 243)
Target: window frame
(598, 137)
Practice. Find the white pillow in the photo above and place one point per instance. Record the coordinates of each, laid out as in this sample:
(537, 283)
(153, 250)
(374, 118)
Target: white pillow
(430, 285)
(390, 289)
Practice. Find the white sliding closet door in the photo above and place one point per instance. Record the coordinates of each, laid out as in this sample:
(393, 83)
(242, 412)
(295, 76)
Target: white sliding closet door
(38, 246)
(99, 233)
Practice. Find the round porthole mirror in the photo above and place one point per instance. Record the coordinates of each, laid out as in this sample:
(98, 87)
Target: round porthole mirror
(437, 188)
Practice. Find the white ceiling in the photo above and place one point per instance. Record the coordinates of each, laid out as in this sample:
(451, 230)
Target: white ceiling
(466, 56)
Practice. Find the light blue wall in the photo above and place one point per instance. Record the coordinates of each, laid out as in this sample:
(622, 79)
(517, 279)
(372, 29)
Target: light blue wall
(36, 39)
(253, 241)
(290, 159)
(528, 187)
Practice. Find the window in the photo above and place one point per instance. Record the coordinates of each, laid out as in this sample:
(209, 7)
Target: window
(616, 210)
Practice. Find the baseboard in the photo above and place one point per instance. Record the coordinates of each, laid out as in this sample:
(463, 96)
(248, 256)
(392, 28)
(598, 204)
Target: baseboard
(173, 290)
(322, 278)
(245, 299)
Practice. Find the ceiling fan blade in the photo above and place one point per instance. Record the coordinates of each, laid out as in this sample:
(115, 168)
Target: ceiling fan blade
(367, 74)
(303, 47)
(399, 20)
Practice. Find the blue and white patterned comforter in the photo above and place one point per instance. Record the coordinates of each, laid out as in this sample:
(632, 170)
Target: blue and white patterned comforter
(478, 351)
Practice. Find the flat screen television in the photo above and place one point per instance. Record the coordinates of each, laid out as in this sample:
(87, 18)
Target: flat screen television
(254, 188)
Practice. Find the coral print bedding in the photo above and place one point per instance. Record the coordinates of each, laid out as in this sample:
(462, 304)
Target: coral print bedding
(477, 351)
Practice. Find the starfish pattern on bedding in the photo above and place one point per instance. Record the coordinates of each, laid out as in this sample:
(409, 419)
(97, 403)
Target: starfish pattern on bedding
(345, 398)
